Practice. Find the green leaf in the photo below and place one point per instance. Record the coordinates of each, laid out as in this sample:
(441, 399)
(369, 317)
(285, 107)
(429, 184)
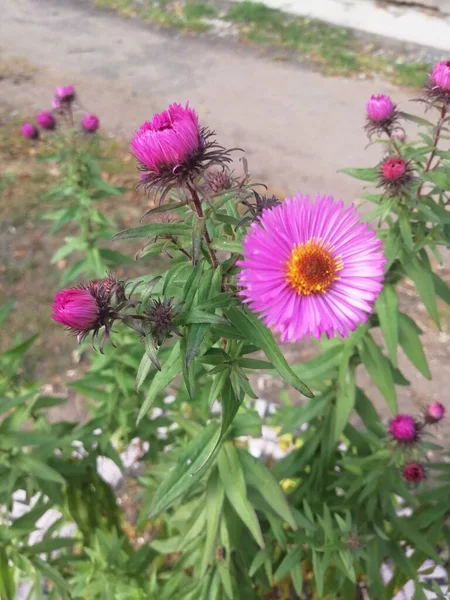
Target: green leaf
(187, 472)
(170, 369)
(31, 465)
(188, 370)
(197, 234)
(143, 370)
(51, 544)
(369, 174)
(196, 316)
(195, 335)
(442, 289)
(153, 229)
(306, 413)
(345, 402)
(228, 246)
(7, 585)
(424, 282)
(254, 330)
(52, 574)
(321, 366)
(416, 119)
(387, 310)
(17, 351)
(405, 228)
(260, 558)
(379, 370)
(409, 338)
(260, 477)
(151, 349)
(291, 559)
(214, 497)
(233, 480)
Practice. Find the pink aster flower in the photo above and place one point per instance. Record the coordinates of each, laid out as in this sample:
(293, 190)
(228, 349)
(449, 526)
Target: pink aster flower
(46, 120)
(379, 108)
(413, 472)
(434, 412)
(311, 268)
(65, 93)
(90, 123)
(440, 75)
(29, 131)
(76, 308)
(404, 429)
(382, 115)
(172, 148)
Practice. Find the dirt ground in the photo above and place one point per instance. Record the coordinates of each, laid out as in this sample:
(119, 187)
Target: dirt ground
(298, 129)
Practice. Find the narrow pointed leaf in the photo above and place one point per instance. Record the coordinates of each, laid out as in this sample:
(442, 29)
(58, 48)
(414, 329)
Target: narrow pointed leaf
(409, 337)
(387, 310)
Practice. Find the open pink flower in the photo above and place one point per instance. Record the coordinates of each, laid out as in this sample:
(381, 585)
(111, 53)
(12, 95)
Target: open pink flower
(404, 429)
(311, 268)
(76, 308)
(90, 123)
(434, 412)
(46, 120)
(29, 131)
(172, 148)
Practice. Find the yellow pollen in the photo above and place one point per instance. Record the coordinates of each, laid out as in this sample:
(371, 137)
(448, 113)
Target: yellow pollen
(312, 268)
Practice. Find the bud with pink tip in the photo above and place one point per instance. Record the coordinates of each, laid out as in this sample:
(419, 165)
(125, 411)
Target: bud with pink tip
(29, 131)
(413, 472)
(379, 108)
(76, 308)
(56, 103)
(382, 115)
(434, 412)
(172, 148)
(90, 123)
(395, 175)
(404, 429)
(440, 75)
(46, 120)
(65, 93)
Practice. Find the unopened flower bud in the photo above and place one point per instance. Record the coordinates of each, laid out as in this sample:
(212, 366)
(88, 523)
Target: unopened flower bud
(434, 412)
(413, 472)
(46, 120)
(404, 429)
(65, 93)
(90, 123)
(29, 131)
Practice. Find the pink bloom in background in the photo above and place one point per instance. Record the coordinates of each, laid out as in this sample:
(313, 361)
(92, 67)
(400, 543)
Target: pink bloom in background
(434, 412)
(76, 308)
(403, 428)
(46, 120)
(168, 140)
(413, 472)
(394, 168)
(90, 123)
(65, 93)
(56, 103)
(28, 130)
(440, 76)
(311, 268)
(380, 108)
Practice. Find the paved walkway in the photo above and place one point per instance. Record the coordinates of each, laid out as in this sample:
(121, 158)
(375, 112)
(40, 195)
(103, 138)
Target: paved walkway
(297, 127)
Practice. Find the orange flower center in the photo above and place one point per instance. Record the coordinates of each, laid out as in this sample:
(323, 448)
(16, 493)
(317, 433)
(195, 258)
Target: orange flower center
(312, 268)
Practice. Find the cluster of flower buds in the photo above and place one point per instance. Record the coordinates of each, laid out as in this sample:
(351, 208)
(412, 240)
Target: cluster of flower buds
(92, 309)
(405, 431)
(62, 109)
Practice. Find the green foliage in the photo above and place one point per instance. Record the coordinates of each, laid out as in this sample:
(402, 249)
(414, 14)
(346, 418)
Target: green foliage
(197, 516)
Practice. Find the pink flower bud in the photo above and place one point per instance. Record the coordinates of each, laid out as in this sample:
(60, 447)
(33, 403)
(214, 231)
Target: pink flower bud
(76, 308)
(413, 472)
(434, 412)
(90, 123)
(393, 168)
(46, 120)
(28, 130)
(379, 108)
(56, 103)
(65, 93)
(404, 429)
(440, 76)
